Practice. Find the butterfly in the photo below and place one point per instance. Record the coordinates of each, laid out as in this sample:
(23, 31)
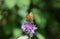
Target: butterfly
(29, 17)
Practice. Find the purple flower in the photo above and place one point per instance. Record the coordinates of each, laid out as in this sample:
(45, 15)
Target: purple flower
(29, 28)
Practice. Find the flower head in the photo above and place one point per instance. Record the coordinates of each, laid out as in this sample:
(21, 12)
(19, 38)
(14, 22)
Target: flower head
(29, 28)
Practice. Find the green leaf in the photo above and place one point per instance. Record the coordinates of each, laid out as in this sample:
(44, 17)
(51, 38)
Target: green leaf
(7, 29)
(40, 36)
(39, 18)
(1, 17)
(35, 11)
(17, 33)
(36, 2)
(10, 3)
(56, 4)
(22, 13)
(23, 3)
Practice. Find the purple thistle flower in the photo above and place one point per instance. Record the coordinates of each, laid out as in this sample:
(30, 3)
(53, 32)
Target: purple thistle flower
(29, 28)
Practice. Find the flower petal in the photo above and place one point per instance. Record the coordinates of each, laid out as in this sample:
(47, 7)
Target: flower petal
(23, 26)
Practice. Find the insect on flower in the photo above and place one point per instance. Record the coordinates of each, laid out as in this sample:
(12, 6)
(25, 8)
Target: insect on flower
(29, 27)
(29, 17)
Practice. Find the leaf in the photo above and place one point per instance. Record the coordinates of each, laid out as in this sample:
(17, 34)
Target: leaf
(1, 17)
(23, 3)
(40, 36)
(39, 18)
(36, 2)
(16, 33)
(10, 3)
(22, 13)
(56, 4)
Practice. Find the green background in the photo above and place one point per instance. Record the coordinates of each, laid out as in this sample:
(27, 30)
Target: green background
(46, 17)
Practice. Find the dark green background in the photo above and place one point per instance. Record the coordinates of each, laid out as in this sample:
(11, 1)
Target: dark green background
(46, 17)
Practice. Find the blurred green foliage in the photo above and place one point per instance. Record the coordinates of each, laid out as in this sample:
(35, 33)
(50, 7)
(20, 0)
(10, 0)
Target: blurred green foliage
(46, 17)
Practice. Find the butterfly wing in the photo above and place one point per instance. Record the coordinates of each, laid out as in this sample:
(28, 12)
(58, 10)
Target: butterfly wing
(29, 17)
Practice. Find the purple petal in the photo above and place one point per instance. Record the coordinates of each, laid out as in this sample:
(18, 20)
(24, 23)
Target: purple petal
(23, 26)
(33, 31)
(34, 27)
(29, 28)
